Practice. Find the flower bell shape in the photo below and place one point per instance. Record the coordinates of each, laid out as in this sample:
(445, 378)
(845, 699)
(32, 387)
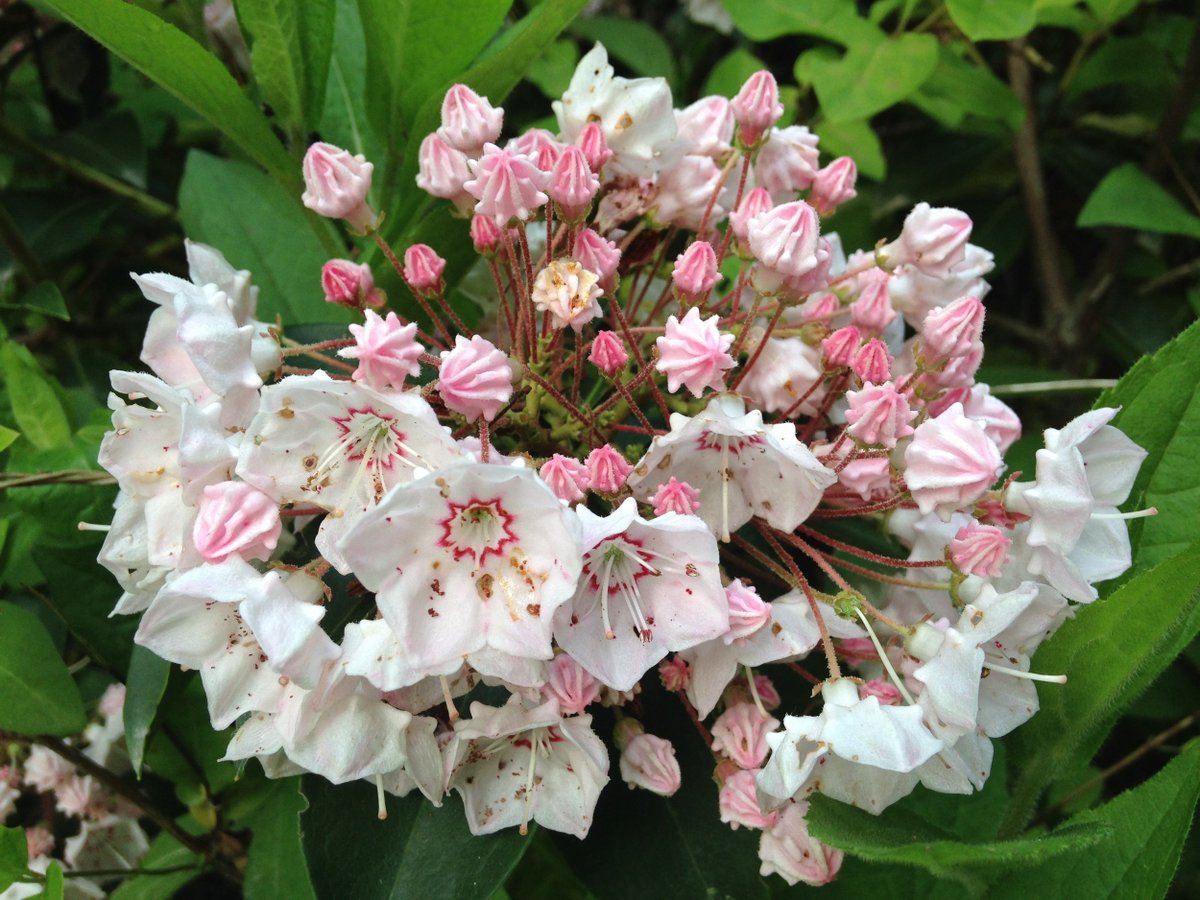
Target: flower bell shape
(950, 463)
(979, 550)
(834, 185)
(694, 354)
(387, 351)
(507, 184)
(608, 353)
(568, 292)
(336, 185)
(878, 415)
(784, 240)
(695, 271)
(738, 802)
(648, 762)
(648, 587)
(573, 185)
(675, 496)
(570, 684)
(567, 477)
(741, 467)
(787, 162)
(756, 201)
(236, 519)
(684, 190)
(915, 294)
(471, 557)
(952, 331)
(423, 270)
(740, 733)
(475, 378)
(349, 284)
(596, 254)
(756, 107)
(469, 121)
(442, 172)
(933, 240)
(789, 851)
(787, 372)
(706, 127)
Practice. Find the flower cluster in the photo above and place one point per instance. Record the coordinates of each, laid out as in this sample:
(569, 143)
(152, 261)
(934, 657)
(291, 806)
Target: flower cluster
(617, 475)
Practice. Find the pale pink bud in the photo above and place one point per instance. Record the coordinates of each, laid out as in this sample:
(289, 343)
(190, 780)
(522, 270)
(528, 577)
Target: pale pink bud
(607, 469)
(594, 146)
(934, 240)
(857, 651)
(884, 691)
(834, 185)
(423, 270)
(567, 477)
(755, 202)
(872, 311)
(235, 519)
(112, 701)
(570, 684)
(738, 802)
(80, 797)
(693, 353)
(947, 399)
(820, 308)
(443, 171)
(387, 351)
(817, 278)
(788, 161)
(741, 734)
(866, 477)
(349, 284)
(38, 841)
(675, 673)
(507, 185)
(608, 353)
(878, 415)
(748, 612)
(573, 185)
(952, 331)
(469, 121)
(958, 373)
(999, 421)
(756, 107)
(695, 270)
(540, 146)
(872, 363)
(485, 235)
(336, 185)
(706, 127)
(597, 255)
(649, 762)
(841, 346)
(784, 239)
(568, 292)
(950, 463)
(475, 378)
(979, 550)
(45, 770)
(675, 496)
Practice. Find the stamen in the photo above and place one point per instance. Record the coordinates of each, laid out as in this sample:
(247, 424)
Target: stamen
(883, 658)
(1032, 676)
(1136, 514)
(379, 797)
(608, 631)
(725, 489)
(762, 710)
(91, 526)
(535, 743)
(451, 709)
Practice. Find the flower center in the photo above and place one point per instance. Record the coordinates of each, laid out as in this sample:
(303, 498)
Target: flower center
(613, 569)
(477, 528)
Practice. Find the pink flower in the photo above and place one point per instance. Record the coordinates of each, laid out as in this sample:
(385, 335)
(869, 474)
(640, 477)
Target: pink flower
(866, 477)
(387, 351)
(834, 185)
(508, 185)
(884, 691)
(841, 346)
(112, 701)
(999, 421)
(950, 463)
(568, 292)
(649, 762)
(857, 651)
(80, 797)
(820, 308)
(442, 171)
(349, 284)
(234, 518)
(872, 311)
(468, 120)
(607, 469)
(980, 550)
(567, 477)
(573, 185)
(608, 353)
(694, 354)
(748, 612)
(878, 415)
(485, 235)
(677, 497)
(952, 331)
(787, 162)
(336, 185)
(755, 202)
(739, 802)
(784, 240)
(932, 240)
(423, 270)
(475, 378)
(594, 146)
(756, 107)
(872, 362)
(695, 270)
(741, 734)
(787, 850)
(597, 255)
(684, 190)
(675, 674)
(706, 126)
(45, 770)
(38, 841)
(540, 146)
(570, 684)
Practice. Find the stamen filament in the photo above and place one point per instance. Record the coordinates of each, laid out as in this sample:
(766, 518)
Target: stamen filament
(883, 658)
(1031, 676)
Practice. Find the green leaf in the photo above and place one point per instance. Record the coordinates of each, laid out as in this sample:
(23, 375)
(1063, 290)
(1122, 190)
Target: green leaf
(1129, 198)
(992, 20)
(35, 404)
(857, 139)
(634, 43)
(731, 71)
(144, 690)
(82, 596)
(276, 862)
(187, 71)
(958, 89)
(418, 851)
(871, 78)
(1111, 652)
(14, 855)
(834, 20)
(7, 436)
(46, 298)
(291, 46)
(345, 122)
(552, 71)
(39, 694)
(54, 882)
(1109, 11)
(260, 227)
(165, 853)
(1149, 825)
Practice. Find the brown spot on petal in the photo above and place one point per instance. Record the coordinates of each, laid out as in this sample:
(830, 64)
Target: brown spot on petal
(534, 609)
(626, 121)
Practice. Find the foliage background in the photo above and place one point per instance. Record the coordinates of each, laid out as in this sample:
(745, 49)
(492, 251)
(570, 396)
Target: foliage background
(1068, 130)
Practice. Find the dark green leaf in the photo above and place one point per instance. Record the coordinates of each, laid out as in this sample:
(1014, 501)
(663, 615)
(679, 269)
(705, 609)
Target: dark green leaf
(7, 436)
(958, 89)
(834, 20)
(634, 43)
(345, 120)
(54, 882)
(855, 139)
(552, 71)
(39, 696)
(165, 853)
(276, 863)
(418, 851)
(46, 298)
(992, 20)
(35, 405)
(82, 595)
(1129, 198)
(14, 855)
(290, 53)
(143, 692)
(872, 77)
(185, 69)
(1109, 11)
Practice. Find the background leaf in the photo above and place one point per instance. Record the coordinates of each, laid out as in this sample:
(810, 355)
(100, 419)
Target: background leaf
(35, 405)
(144, 690)
(992, 20)
(40, 697)
(834, 20)
(870, 78)
(276, 866)
(1130, 198)
(14, 855)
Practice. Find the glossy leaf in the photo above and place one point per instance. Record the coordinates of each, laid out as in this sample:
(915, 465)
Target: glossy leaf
(871, 78)
(992, 20)
(39, 694)
(291, 46)
(345, 121)
(1129, 198)
(834, 20)
(7, 436)
(276, 866)
(35, 405)
(14, 855)
(144, 690)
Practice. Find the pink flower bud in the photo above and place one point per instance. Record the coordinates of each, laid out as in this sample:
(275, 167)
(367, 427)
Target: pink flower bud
(817, 278)
(866, 477)
(952, 331)
(872, 363)
(820, 308)
(788, 161)
(570, 684)
(540, 146)
(748, 612)
(878, 415)
(607, 469)
(573, 185)
(387, 351)
(594, 146)
(784, 239)
(841, 346)
(235, 519)
(857, 651)
(788, 850)
(475, 378)
(423, 270)
(443, 171)
(872, 311)
(597, 255)
(884, 691)
(706, 127)
(695, 270)
(336, 185)
(648, 762)
(608, 353)
(999, 421)
(677, 497)
(739, 802)
(756, 107)
(568, 292)
(567, 477)
(507, 185)
(834, 185)
(693, 353)
(950, 463)
(755, 202)
(349, 284)
(675, 673)
(469, 121)
(932, 240)
(979, 550)
(741, 734)
(485, 235)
